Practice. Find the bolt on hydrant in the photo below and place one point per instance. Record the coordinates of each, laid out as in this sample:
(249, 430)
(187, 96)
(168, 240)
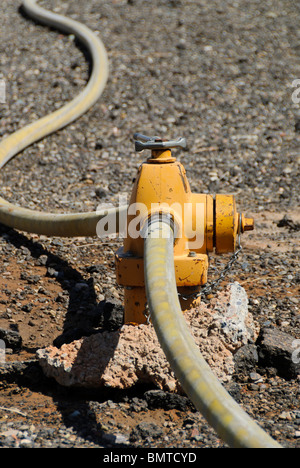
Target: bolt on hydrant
(202, 223)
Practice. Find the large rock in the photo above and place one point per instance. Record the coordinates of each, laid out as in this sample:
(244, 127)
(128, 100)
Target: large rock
(246, 359)
(132, 354)
(277, 349)
(11, 338)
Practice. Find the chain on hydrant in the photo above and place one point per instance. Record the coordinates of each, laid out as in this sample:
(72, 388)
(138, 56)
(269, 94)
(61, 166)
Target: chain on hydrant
(202, 223)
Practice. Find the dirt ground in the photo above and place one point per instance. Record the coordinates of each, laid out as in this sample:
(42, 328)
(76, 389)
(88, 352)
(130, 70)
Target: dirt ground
(219, 74)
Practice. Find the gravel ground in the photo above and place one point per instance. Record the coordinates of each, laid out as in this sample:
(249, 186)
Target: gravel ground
(219, 74)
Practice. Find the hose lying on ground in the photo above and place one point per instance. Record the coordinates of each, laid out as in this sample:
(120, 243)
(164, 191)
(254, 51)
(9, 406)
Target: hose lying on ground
(62, 225)
(229, 420)
(210, 398)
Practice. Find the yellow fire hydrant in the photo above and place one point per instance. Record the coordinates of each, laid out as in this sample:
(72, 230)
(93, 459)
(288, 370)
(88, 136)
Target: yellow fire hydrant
(201, 223)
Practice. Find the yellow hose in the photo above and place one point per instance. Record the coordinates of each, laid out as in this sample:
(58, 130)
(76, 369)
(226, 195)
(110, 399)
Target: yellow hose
(210, 398)
(232, 424)
(77, 224)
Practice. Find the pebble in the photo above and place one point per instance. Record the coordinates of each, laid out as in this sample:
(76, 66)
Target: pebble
(255, 377)
(286, 415)
(26, 443)
(75, 414)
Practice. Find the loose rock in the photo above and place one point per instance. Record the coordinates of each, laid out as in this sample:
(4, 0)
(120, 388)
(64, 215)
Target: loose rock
(276, 350)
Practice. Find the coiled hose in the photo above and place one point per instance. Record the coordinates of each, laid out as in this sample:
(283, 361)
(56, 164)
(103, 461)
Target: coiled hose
(62, 225)
(229, 420)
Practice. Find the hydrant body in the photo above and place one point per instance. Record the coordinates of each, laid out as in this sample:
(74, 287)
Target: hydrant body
(201, 224)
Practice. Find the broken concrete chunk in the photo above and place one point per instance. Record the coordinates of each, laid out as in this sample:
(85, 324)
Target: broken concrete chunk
(237, 326)
(132, 354)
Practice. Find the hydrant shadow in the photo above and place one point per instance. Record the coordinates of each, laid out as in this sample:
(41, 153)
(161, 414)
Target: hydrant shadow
(103, 319)
(81, 408)
(84, 314)
(84, 362)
